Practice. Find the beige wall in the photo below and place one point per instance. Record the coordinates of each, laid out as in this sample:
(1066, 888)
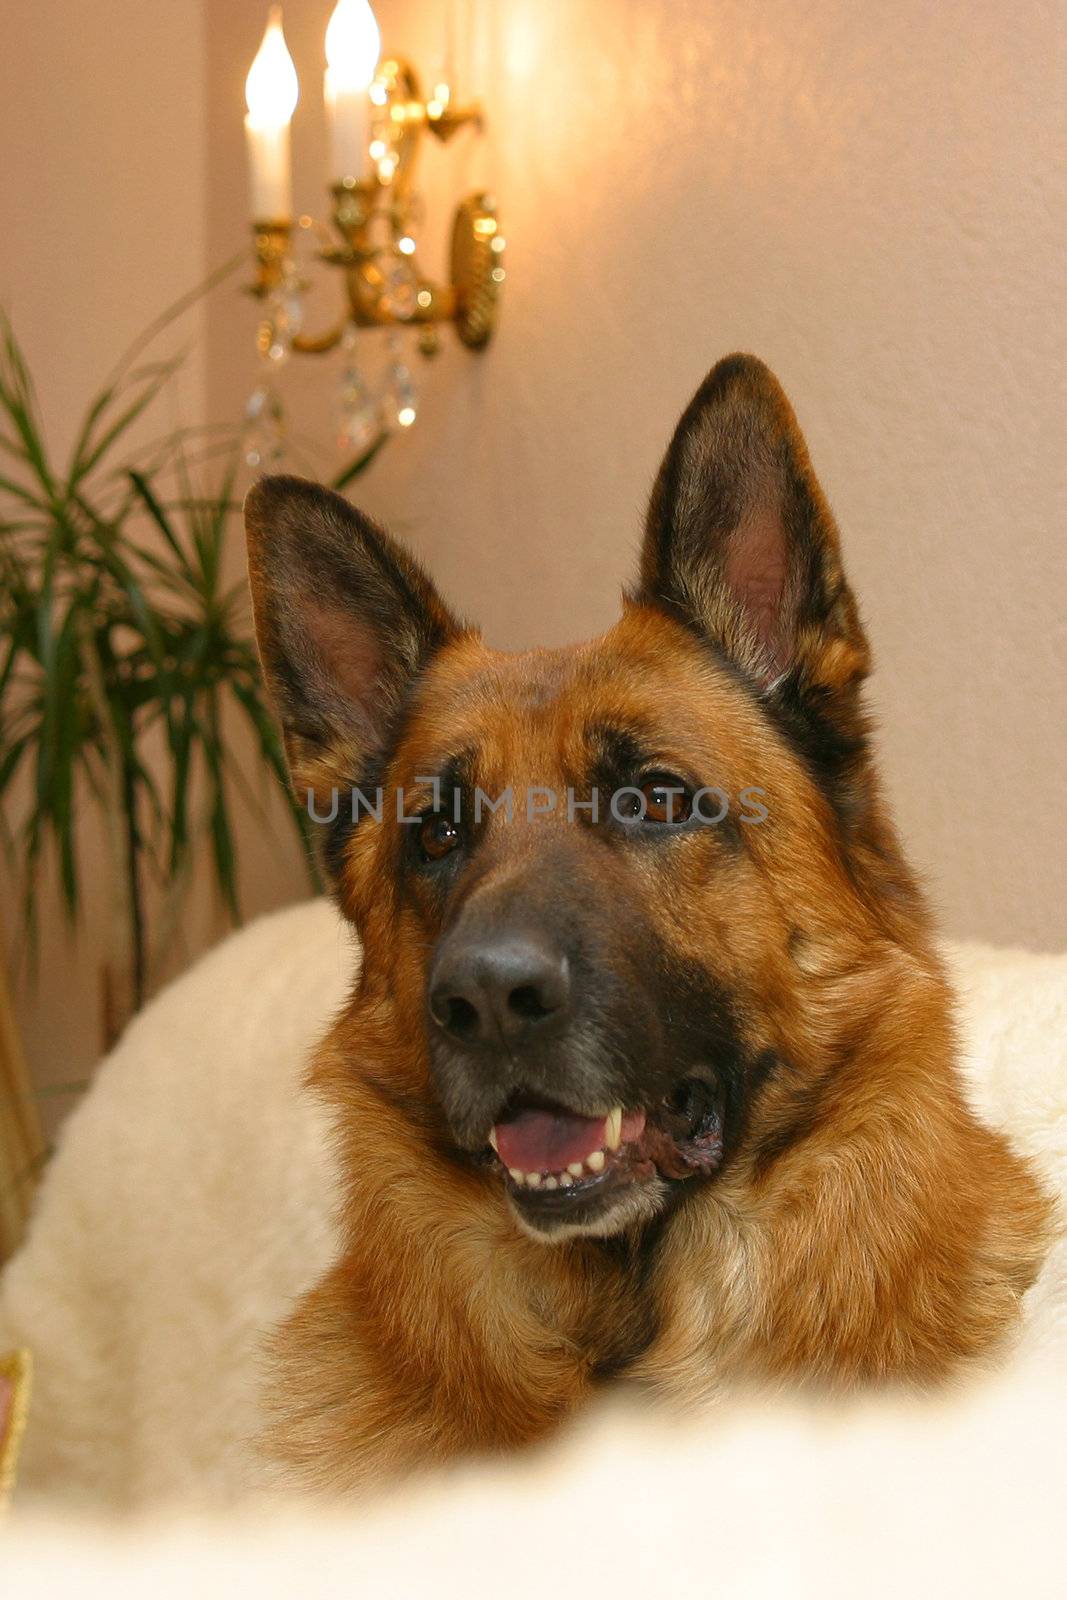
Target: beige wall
(867, 196)
(102, 195)
(102, 186)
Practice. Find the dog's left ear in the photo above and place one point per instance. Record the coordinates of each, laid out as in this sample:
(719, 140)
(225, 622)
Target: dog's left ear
(741, 546)
(740, 542)
(345, 620)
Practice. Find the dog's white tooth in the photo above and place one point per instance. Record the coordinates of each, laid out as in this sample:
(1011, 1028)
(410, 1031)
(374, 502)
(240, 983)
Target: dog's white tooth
(533, 1180)
(595, 1162)
(492, 1137)
(576, 1169)
(516, 1176)
(565, 1180)
(614, 1128)
(551, 1183)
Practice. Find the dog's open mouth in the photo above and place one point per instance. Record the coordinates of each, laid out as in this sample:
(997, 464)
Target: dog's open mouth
(556, 1159)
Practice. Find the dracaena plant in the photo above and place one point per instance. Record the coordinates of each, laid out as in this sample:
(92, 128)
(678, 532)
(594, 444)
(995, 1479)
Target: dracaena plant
(126, 664)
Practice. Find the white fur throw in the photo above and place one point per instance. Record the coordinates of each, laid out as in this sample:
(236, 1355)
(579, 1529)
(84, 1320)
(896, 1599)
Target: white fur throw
(190, 1201)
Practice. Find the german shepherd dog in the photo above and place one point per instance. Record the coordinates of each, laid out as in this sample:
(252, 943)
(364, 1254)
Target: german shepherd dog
(627, 1084)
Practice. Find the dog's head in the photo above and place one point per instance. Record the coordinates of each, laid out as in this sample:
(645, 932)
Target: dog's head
(606, 890)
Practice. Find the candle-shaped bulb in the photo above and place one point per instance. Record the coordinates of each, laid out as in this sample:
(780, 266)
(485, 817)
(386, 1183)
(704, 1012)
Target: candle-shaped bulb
(271, 88)
(352, 45)
(271, 91)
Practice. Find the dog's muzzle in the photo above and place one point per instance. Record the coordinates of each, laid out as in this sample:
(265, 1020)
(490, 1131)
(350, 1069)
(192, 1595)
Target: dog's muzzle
(549, 1062)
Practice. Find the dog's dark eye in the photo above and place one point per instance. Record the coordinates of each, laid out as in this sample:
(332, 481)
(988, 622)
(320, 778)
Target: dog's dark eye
(667, 798)
(438, 835)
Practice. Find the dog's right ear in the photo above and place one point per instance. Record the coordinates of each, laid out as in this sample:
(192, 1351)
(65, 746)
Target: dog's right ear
(345, 621)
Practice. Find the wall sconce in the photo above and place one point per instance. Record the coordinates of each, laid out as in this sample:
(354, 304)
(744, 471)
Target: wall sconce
(378, 116)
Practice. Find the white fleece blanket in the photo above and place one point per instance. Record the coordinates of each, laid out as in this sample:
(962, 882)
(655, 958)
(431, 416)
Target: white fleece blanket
(190, 1201)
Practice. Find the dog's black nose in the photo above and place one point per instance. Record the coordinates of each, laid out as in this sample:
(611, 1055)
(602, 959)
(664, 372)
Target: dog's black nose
(499, 992)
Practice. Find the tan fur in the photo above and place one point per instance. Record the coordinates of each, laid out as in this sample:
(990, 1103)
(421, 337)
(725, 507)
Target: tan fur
(869, 1228)
(892, 1242)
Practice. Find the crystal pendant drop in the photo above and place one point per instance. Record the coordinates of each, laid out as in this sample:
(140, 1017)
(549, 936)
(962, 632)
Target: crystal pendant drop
(358, 424)
(284, 319)
(401, 400)
(400, 287)
(263, 437)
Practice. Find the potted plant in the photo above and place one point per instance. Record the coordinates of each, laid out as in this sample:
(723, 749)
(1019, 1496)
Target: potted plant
(126, 660)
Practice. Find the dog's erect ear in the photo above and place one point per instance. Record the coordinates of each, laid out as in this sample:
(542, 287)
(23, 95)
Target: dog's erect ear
(740, 542)
(345, 621)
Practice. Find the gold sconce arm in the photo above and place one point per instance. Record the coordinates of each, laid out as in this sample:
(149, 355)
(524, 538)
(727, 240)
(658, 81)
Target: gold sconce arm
(376, 253)
(273, 246)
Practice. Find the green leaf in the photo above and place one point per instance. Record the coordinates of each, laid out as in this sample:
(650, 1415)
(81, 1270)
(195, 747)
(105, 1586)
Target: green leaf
(28, 498)
(93, 451)
(360, 464)
(221, 832)
(58, 740)
(92, 417)
(270, 751)
(146, 494)
(219, 511)
(182, 736)
(175, 310)
(18, 400)
(11, 759)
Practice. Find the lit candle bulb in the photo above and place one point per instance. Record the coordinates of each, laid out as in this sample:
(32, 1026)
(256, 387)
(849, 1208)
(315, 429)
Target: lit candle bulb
(352, 46)
(271, 92)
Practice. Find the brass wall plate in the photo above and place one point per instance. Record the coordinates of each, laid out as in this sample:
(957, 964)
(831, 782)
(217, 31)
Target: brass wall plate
(477, 269)
(372, 215)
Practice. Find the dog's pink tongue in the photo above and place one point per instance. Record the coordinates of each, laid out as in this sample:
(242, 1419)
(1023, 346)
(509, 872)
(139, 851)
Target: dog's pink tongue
(548, 1141)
